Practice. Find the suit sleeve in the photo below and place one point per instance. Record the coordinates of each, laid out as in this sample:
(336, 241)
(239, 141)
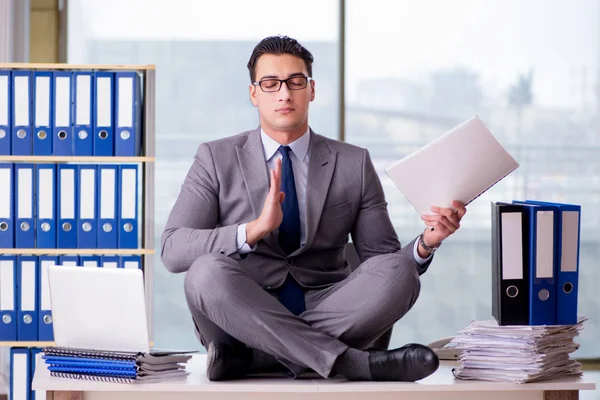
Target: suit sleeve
(373, 233)
(192, 227)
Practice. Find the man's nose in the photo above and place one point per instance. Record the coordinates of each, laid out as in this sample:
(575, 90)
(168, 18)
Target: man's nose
(284, 93)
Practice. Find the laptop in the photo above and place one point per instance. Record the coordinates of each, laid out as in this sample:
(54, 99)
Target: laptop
(98, 308)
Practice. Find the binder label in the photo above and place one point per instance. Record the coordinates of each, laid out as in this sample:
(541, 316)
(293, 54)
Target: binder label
(21, 105)
(128, 185)
(84, 96)
(63, 101)
(125, 102)
(5, 193)
(512, 246)
(45, 197)
(88, 198)
(545, 245)
(42, 101)
(67, 193)
(570, 241)
(7, 279)
(46, 305)
(131, 265)
(20, 388)
(25, 195)
(104, 102)
(107, 197)
(4, 95)
(28, 286)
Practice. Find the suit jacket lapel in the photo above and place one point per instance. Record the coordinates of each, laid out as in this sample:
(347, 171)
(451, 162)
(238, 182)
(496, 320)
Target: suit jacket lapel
(320, 171)
(255, 173)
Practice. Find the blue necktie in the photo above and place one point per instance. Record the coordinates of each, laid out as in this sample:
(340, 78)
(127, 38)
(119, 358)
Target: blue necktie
(291, 294)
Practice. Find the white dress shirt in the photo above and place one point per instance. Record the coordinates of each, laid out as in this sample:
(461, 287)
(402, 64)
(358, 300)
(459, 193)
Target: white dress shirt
(299, 156)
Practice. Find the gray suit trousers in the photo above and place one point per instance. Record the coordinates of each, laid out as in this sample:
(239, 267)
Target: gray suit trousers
(228, 306)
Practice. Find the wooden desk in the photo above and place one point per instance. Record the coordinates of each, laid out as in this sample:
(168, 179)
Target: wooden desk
(440, 385)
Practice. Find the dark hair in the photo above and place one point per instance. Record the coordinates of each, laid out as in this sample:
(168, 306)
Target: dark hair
(279, 45)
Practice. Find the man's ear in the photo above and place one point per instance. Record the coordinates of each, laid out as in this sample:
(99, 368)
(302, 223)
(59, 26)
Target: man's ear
(252, 89)
(312, 90)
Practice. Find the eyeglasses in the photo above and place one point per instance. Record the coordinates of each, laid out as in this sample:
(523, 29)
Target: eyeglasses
(274, 85)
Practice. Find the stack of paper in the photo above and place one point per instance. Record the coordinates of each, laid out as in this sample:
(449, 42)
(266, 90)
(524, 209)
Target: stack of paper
(517, 353)
(123, 367)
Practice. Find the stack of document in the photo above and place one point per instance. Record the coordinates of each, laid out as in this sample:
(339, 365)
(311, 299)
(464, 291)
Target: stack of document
(110, 366)
(517, 353)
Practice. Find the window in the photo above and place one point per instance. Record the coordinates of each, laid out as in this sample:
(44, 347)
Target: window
(529, 69)
(413, 71)
(194, 53)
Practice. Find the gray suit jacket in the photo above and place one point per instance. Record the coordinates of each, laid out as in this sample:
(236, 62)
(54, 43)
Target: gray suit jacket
(227, 185)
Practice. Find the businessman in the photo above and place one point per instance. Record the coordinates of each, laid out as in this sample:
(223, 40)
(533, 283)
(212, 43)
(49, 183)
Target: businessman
(260, 227)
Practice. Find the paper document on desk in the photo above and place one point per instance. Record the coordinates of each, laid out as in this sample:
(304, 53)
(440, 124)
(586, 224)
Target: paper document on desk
(517, 353)
(459, 165)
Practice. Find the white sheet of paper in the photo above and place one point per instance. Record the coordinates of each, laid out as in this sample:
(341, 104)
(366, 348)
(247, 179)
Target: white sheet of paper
(460, 165)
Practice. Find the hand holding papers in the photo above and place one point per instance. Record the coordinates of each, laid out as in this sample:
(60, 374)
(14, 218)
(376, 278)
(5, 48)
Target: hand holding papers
(460, 165)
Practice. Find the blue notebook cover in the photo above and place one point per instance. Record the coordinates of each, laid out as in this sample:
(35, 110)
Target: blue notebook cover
(60, 360)
(77, 364)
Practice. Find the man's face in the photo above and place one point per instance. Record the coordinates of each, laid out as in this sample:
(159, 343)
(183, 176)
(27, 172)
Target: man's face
(286, 109)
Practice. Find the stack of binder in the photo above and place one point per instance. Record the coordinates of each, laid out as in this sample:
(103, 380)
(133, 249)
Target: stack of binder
(535, 262)
(121, 367)
(69, 206)
(65, 206)
(70, 113)
(518, 354)
(535, 274)
(23, 363)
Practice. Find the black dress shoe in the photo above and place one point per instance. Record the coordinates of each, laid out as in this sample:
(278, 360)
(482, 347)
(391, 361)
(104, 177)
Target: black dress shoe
(227, 362)
(409, 363)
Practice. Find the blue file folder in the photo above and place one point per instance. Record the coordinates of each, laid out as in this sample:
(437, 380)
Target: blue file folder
(69, 261)
(62, 136)
(36, 394)
(27, 289)
(7, 202)
(24, 210)
(8, 288)
(568, 221)
(42, 113)
(22, 137)
(46, 206)
(83, 132)
(103, 119)
(128, 116)
(108, 188)
(87, 210)
(45, 323)
(128, 210)
(5, 112)
(90, 261)
(20, 374)
(67, 201)
(542, 264)
(131, 262)
(109, 261)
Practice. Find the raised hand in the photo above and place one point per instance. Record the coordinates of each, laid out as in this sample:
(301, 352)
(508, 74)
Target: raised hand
(271, 215)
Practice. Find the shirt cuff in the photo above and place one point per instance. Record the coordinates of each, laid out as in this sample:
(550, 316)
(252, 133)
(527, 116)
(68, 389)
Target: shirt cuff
(242, 246)
(418, 258)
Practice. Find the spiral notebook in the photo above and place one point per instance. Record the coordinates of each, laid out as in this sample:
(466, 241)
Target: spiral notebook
(120, 367)
(460, 165)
